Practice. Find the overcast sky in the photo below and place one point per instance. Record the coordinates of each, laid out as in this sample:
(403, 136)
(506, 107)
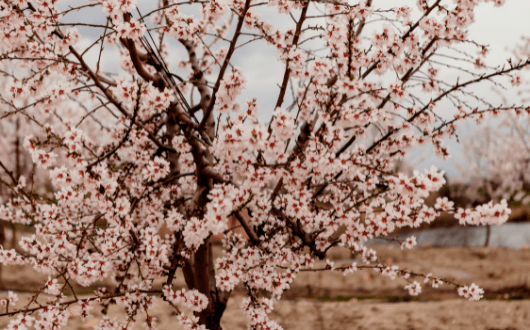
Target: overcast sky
(501, 28)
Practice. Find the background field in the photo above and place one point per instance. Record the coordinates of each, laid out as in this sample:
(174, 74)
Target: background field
(365, 299)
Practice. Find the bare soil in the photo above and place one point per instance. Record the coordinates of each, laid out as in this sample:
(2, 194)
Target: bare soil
(365, 299)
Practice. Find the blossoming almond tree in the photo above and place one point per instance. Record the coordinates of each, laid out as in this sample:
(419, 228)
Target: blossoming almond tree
(127, 154)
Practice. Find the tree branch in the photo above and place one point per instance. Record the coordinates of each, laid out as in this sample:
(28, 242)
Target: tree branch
(229, 54)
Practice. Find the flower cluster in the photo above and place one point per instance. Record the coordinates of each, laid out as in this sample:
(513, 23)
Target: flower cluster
(193, 299)
(256, 313)
(12, 299)
(283, 124)
(472, 292)
(158, 168)
(487, 214)
(131, 30)
(39, 156)
(414, 288)
(230, 89)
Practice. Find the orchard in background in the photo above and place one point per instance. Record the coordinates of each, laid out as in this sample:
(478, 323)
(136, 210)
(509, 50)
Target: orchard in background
(128, 174)
(498, 153)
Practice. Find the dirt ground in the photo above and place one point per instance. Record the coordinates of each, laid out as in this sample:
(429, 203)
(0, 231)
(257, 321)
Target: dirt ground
(365, 299)
(304, 314)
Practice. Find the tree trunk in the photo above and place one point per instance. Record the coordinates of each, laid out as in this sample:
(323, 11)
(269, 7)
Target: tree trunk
(2, 243)
(488, 234)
